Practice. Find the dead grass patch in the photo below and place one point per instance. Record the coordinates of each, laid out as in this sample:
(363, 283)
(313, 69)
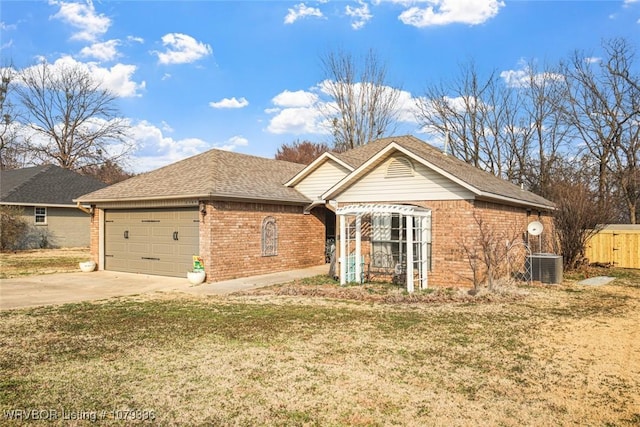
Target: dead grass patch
(313, 354)
(41, 261)
(323, 287)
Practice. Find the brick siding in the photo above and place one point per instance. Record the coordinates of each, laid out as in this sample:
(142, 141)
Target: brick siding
(454, 225)
(231, 239)
(94, 236)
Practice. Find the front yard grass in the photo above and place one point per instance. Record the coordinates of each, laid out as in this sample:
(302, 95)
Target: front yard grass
(41, 261)
(312, 353)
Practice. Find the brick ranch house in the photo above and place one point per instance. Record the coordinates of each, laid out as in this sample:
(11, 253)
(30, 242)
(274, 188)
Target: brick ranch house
(405, 210)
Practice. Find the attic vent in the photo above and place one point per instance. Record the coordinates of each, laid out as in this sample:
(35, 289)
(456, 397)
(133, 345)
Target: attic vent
(399, 167)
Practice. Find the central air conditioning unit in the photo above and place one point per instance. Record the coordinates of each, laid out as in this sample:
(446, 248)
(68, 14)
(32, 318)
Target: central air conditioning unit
(545, 268)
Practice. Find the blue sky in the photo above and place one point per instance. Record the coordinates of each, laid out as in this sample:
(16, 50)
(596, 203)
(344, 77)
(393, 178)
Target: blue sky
(244, 75)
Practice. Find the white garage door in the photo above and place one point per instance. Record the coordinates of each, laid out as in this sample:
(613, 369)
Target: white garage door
(151, 241)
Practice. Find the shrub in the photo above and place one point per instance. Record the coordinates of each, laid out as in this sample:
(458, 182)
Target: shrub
(13, 227)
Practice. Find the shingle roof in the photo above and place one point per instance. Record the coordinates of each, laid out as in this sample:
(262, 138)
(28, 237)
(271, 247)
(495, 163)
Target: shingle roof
(485, 182)
(46, 184)
(214, 173)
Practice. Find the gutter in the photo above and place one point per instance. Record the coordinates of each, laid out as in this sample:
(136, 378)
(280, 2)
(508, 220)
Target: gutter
(217, 196)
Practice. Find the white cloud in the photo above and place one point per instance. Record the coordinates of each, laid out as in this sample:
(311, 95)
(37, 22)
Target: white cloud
(301, 11)
(593, 59)
(83, 17)
(522, 77)
(105, 51)
(360, 15)
(444, 12)
(117, 78)
(7, 27)
(407, 108)
(232, 143)
(135, 39)
(166, 127)
(6, 45)
(300, 112)
(155, 149)
(182, 49)
(230, 103)
(299, 98)
(297, 121)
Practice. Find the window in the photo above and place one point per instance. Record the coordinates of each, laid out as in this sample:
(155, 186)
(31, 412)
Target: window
(389, 240)
(269, 237)
(41, 215)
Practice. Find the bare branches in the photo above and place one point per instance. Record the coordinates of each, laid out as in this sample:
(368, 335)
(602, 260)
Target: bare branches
(10, 144)
(487, 250)
(604, 108)
(74, 120)
(363, 106)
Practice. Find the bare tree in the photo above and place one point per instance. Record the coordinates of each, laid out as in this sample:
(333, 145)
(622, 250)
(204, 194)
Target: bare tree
(478, 117)
(578, 214)
(487, 252)
(74, 119)
(604, 108)
(362, 106)
(10, 147)
(454, 110)
(509, 127)
(544, 132)
(108, 172)
(303, 152)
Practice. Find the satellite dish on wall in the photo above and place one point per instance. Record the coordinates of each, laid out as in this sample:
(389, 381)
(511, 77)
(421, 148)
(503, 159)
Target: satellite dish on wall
(535, 228)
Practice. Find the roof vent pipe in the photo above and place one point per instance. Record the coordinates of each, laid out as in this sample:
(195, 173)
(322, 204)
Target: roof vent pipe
(446, 144)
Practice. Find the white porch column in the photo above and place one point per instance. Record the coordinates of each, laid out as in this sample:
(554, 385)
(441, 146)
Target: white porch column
(409, 253)
(343, 250)
(358, 249)
(424, 282)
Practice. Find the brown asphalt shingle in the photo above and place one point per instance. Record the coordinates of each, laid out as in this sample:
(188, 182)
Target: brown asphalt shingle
(214, 173)
(224, 174)
(477, 178)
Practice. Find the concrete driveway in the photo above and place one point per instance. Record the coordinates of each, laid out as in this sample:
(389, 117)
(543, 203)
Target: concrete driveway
(53, 289)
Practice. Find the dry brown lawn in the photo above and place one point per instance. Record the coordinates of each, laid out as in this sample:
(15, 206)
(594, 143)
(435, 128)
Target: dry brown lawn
(41, 261)
(317, 354)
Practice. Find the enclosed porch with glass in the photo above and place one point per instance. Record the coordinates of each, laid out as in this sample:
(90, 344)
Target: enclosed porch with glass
(387, 242)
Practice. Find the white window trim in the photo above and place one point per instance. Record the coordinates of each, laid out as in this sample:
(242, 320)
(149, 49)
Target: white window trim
(36, 215)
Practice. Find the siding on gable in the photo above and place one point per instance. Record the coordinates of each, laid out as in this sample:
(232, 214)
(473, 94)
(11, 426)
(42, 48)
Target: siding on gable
(425, 184)
(320, 180)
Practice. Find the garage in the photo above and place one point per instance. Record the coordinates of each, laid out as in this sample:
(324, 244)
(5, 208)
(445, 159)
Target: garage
(151, 241)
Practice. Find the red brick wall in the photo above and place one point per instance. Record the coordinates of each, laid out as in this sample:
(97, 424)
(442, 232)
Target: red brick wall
(94, 236)
(231, 239)
(453, 225)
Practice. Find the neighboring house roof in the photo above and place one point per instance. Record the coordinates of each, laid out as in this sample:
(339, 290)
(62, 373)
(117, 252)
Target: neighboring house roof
(482, 183)
(44, 185)
(212, 174)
